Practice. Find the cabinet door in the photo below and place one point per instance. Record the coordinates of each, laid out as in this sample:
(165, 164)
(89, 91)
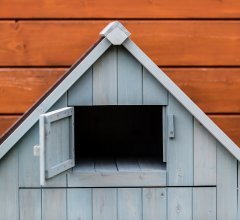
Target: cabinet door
(56, 142)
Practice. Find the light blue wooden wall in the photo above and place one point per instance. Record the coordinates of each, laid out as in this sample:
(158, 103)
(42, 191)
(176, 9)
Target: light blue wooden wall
(194, 159)
(117, 79)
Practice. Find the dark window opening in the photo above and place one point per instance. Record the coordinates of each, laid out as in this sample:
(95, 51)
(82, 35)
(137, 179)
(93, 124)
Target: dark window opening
(118, 131)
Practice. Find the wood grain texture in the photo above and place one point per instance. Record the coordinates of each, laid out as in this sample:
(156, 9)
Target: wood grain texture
(20, 87)
(205, 156)
(129, 204)
(6, 122)
(54, 204)
(180, 203)
(181, 43)
(30, 204)
(9, 186)
(180, 148)
(204, 203)
(79, 204)
(212, 89)
(105, 79)
(104, 202)
(81, 92)
(130, 79)
(226, 184)
(154, 203)
(153, 92)
(229, 124)
(120, 8)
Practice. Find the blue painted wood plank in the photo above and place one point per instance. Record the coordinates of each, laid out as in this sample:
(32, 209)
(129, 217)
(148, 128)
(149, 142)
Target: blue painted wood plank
(81, 92)
(30, 204)
(79, 204)
(130, 204)
(226, 185)
(154, 204)
(205, 156)
(54, 204)
(104, 204)
(9, 186)
(180, 148)
(179, 203)
(129, 79)
(153, 92)
(204, 203)
(105, 79)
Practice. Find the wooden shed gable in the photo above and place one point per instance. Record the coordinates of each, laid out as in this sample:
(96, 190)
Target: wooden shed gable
(115, 75)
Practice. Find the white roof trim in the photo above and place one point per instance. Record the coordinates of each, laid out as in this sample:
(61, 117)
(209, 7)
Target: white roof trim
(182, 98)
(111, 26)
(115, 32)
(76, 73)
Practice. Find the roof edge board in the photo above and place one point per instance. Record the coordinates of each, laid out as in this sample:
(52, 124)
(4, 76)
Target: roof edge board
(160, 76)
(76, 73)
(115, 32)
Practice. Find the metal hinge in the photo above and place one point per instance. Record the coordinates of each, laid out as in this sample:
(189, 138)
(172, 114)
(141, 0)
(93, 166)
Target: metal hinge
(171, 131)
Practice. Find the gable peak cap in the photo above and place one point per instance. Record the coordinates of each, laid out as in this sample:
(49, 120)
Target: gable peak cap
(115, 32)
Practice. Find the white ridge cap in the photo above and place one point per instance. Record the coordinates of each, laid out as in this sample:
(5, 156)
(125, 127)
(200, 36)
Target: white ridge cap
(115, 32)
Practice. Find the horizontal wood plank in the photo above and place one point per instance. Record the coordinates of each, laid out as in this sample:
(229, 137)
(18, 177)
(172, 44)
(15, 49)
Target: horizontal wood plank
(230, 124)
(168, 43)
(6, 122)
(214, 90)
(21, 87)
(119, 9)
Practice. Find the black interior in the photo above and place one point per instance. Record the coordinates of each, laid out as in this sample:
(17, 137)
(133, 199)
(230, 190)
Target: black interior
(118, 131)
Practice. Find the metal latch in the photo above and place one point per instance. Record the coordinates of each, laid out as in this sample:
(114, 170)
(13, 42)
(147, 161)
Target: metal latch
(36, 151)
(171, 132)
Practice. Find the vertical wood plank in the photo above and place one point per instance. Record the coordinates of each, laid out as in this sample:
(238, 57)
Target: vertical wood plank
(105, 79)
(204, 203)
(61, 179)
(79, 204)
(30, 204)
(180, 148)
(226, 184)
(205, 156)
(179, 203)
(29, 174)
(129, 79)
(154, 204)
(57, 149)
(104, 204)
(153, 92)
(54, 204)
(81, 92)
(130, 204)
(9, 186)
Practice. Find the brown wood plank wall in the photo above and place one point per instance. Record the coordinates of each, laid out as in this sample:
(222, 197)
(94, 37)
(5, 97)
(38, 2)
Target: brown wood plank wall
(197, 43)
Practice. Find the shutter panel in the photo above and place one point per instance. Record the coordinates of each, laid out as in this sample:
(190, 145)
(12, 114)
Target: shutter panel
(56, 142)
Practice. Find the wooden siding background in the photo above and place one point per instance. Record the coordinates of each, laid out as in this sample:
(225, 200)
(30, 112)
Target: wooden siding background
(197, 43)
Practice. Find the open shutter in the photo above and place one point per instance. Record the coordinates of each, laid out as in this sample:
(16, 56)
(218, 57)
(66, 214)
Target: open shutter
(56, 142)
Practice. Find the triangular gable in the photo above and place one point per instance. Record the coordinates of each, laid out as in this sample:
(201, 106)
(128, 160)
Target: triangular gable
(114, 34)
